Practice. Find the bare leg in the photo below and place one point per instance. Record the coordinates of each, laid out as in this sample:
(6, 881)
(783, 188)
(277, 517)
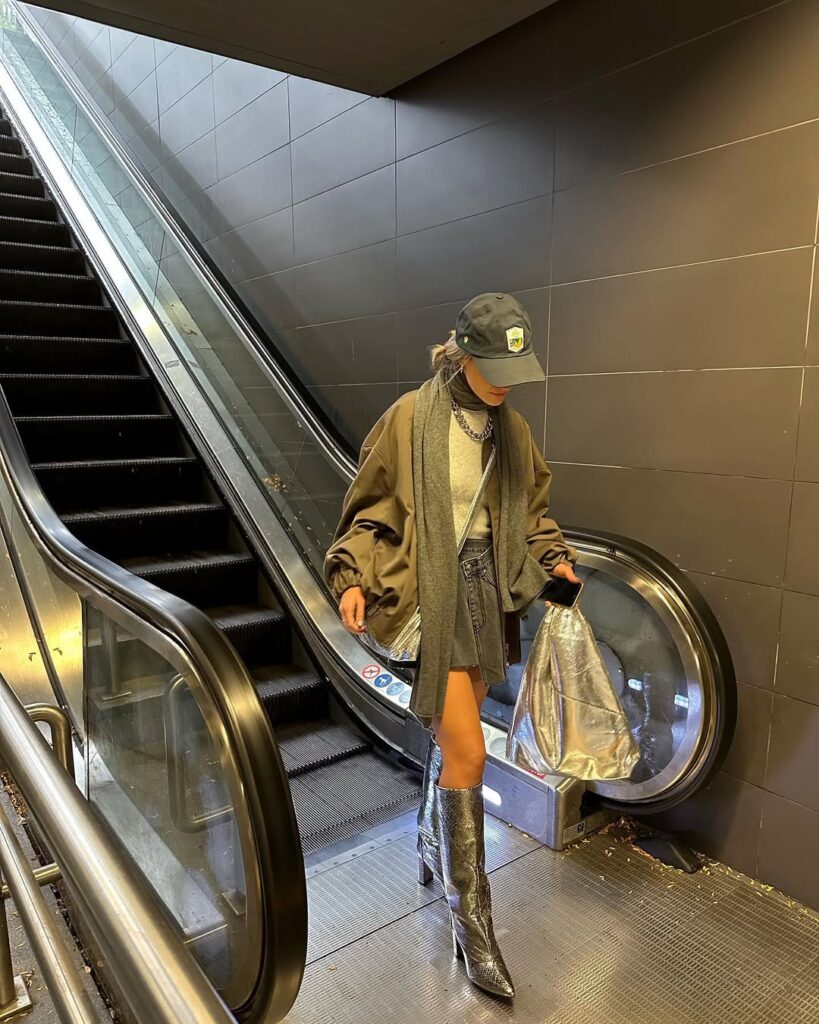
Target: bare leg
(458, 730)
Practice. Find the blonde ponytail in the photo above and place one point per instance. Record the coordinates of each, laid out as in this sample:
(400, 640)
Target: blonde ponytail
(447, 355)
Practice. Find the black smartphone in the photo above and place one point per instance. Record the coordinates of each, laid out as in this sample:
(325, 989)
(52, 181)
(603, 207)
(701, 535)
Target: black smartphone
(560, 591)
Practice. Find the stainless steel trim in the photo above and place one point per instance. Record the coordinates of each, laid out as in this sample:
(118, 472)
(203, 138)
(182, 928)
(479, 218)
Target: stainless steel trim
(44, 875)
(158, 977)
(175, 762)
(57, 721)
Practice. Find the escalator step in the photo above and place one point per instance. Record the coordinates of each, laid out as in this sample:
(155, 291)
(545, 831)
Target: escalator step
(13, 162)
(289, 694)
(8, 144)
(20, 353)
(306, 746)
(344, 799)
(201, 578)
(95, 321)
(35, 207)
(97, 437)
(260, 635)
(5, 126)
(83, 486)
(49, 258)
(21, 184)
(128, 532)
(31, 393)
(36, 232)
(44, 286)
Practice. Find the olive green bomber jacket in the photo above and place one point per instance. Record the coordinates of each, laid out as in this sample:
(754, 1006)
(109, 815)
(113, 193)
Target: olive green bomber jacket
(375, 543)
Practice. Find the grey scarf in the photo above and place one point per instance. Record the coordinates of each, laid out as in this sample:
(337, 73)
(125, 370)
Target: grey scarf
(520, 577)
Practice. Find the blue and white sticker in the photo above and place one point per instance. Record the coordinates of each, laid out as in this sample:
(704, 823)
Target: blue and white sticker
(383, 680)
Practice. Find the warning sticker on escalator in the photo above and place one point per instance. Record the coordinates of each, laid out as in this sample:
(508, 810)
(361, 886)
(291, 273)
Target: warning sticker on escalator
(371, 671)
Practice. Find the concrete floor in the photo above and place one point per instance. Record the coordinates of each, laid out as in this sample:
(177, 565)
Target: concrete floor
(601, 934)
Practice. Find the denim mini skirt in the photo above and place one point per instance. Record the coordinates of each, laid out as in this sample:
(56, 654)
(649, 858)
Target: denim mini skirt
(479, 631)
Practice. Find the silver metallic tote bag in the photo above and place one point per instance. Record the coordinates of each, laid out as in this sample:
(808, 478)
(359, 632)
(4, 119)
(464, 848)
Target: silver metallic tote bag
(568, 719)
(407, 645)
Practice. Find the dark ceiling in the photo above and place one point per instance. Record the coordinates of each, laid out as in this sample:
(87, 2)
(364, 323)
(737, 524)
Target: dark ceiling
(371, 46)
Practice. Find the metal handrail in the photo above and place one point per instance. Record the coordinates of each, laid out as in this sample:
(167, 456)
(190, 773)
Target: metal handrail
(154, 972)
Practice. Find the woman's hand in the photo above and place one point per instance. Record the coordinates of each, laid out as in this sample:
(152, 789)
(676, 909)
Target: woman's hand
(351, 607)
(566, 570)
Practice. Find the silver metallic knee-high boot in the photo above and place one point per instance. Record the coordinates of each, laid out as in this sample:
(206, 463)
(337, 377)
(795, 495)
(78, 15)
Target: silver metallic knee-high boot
(429, 859)
(460, 830)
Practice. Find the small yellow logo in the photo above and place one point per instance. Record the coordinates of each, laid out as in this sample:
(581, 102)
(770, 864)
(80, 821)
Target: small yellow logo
(514, 339)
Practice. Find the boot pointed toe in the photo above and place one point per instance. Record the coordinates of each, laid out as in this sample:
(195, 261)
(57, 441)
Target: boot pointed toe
(461, 849)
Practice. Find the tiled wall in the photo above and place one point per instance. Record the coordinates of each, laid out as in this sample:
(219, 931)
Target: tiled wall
(645, 176)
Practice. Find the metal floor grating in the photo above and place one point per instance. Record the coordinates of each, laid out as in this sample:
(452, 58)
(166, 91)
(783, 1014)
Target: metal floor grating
(598, 935)
(341, 800)
(376, 887)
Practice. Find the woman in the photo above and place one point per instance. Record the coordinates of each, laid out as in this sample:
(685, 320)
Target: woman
(396, 548)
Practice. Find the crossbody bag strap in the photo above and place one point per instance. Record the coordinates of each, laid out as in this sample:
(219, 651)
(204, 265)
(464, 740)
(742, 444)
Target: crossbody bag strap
(476, 500)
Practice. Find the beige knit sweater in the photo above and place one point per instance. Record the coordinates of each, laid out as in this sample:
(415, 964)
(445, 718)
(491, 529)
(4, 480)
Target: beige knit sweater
(465, 471)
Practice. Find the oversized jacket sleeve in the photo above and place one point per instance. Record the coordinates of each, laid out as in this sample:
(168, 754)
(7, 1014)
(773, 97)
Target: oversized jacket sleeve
(546, 542)
(368, 512)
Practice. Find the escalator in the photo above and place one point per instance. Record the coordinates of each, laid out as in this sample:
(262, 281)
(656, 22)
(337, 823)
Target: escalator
(119, 471)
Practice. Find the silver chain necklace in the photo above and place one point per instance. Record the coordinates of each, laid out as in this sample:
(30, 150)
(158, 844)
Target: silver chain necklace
(484, 435)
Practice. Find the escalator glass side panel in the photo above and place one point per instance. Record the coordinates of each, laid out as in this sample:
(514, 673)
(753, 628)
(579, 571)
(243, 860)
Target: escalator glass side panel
(300, 480)
(157, 773)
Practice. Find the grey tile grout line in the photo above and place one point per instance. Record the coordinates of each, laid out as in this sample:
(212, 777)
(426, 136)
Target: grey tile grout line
(521, 202)
(286, 84)
(683, 369)
(558, 93)
(674, 46)
(395, 243)
(590, 183)
(543, 444)
(783, 588)
(681, 472)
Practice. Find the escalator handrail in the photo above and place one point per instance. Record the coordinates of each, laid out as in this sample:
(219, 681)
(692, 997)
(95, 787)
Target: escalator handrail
(332, 444)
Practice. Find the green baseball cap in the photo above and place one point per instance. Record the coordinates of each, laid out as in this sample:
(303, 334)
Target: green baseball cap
(496, 331)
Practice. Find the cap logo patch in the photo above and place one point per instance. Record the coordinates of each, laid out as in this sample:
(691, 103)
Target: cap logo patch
(514, 339)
